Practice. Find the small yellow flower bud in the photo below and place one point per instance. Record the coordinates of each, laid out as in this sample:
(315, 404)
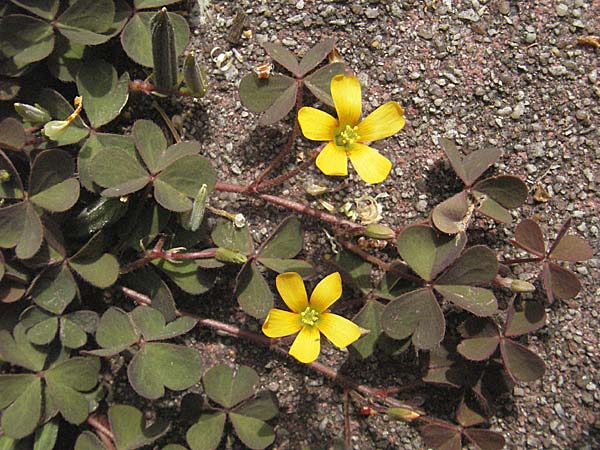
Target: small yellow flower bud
(230, 256)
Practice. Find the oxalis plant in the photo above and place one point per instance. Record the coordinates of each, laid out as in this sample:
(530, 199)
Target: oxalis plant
(105, 236)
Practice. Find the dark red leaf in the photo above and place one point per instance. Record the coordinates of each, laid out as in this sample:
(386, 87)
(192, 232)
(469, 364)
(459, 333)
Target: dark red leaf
(441, 437)
(530, 237)
(485, 439)
(530, 316)
(521, 363)
(572, 249)
(562, 282)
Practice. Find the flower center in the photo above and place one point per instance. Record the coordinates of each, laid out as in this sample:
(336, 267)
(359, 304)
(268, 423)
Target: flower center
(309, 316)
(346, 136)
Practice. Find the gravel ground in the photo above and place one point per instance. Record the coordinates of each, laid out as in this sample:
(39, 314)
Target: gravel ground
(503, 73)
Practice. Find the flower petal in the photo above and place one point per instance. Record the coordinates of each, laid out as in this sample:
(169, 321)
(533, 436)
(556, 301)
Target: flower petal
(292, 291)
(281, 323)
(316, 125)
(307, 345)
(327, 292)
(345, 91)
(370, 165)
(339, 330)
(385, 121)
(333, 160)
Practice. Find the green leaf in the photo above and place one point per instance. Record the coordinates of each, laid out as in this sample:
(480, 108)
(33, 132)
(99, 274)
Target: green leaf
(427, 252)
(480, 339)
(227, 235)
(104, 95)
(91, 15)
(117, 170)
(17, 350)
(151, 324)
(45, 9)
(43, 332)
(254, 433)
(59, 108)
(369, 318)
(66, 59)
(94, 266)
(13, 186)
(280, 107)
(147, 282)
(285, 242)
(146, 4)
(283, 56)
(416, 313)
(45, 437)
(452, 215)
(315, 56)
(187, 275)
(227, 388)
(21, 227)
(88, 441)
(54, 289)
(51, 182)
(96, 143)
(263, 406)
(507, 190)
(253, 292)
(355, 268)
(24, 40)
(128, 426)
(152, 220)
(150, 142)
(181, 180)
(206, 433)
(12, 134)
(64, 383)
(159, 365)
(476, 300)
(319, 82)
(71, 335)
(22, 416)
(12, 387)
(116, 330)
(478, 264)
(305, 269)
(258, 95)
(136, 37)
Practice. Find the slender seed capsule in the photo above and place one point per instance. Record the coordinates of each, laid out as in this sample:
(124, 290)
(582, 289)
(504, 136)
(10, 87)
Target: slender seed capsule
(230, 256)
(194, 76)
(33, 114)
(164, 54)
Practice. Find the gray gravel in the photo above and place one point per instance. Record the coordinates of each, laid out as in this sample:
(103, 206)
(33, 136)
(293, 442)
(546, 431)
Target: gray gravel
(501, 73)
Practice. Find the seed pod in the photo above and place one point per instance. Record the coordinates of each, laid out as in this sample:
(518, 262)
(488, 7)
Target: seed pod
(230, 256)
(164, 54)
(521, 286)
(404, 414)
(194, 76)
(198, 209)
(378, 231)
(33, 114)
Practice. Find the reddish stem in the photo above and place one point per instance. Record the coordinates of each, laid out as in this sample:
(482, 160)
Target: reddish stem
(137, 297)
(292, 173)
(105, 435)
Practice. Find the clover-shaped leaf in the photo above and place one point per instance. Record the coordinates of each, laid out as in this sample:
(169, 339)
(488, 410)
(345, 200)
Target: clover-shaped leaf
(88, 441)
(45, 9)
(54, 288)
(12, 134)
(148, 282)
(66, 59)
(151, 324)
(369, 318)
(129, 427)
(93, 265)
(187, 275)
(235, 393)
(253, 293)
(115, 332)
(13, 281)
(470, 168)
(446, 436)
(558, 282)
(104, 93)
(20, 400)
(136, 36)
(227, 235)
(87, 22)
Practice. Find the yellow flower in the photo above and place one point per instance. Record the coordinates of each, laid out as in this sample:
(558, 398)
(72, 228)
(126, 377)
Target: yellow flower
(347, 134)
(310, 318)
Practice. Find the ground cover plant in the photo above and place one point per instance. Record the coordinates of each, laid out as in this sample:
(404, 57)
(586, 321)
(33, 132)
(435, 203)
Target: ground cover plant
(119, 249)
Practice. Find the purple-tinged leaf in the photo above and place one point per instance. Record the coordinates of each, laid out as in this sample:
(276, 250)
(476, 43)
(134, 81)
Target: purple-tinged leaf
(485, 439)
(492, 209)
(280, 107)
(530, 237)
(417, 313)
(481, 338)
(369, 318)
(319, 82)
(572, 249)
(478, 162)
(563, 283)
(315, 56)
(476, 265)
(508, 190)
(441, 437)
(283, 56)
(452, 215)
(529, 317)
(12, 134)
(455, 159)
(468, 413)
(258, 94)
(476, 300)
(428, 252)
(521, 363)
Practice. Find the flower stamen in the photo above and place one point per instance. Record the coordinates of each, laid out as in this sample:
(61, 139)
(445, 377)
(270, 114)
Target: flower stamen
(309, 316)
(346, 136)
